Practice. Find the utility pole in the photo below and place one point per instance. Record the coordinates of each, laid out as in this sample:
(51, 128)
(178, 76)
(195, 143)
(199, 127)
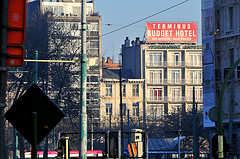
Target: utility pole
(83, 108)
(220, 111)
(121, 109)
(34, 113)
(3, 71)
(231, 116)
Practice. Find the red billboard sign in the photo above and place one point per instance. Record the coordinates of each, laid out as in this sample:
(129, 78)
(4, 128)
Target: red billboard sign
(171, 32)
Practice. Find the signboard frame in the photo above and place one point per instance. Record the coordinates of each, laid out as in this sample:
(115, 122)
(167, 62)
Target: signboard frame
(171, 32)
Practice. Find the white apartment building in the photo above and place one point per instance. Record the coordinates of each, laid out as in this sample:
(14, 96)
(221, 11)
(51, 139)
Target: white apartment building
(170, 72)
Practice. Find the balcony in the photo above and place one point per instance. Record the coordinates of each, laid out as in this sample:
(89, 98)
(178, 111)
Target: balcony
(176, 81)
(194, 64)
(174, 99)
(156, 63)
(157, 99)
(157, 81)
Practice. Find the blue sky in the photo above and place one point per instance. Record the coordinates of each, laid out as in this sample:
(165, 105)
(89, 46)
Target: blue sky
(120, 13)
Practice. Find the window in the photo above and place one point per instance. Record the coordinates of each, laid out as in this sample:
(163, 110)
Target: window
(198, 94)
(175, 75)
(135, 109)
(92, 44)
(230, 16)
(207, 23)
(196, 76)
(123, 109)
(92, 95)
(109, 90)
(124, 90)
(135, 90)
(195, 59)
(155, 59)
(92, 78)
(175, 94)
(156, 111)
(74, 26)
(156, 94)
(156, 76)
(176, 108)
(108, 108)
(176, 59)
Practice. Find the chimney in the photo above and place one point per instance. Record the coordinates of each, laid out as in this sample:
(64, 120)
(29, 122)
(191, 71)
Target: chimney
(133, 43)
(127, 42)
(137, 41)
(109, 60)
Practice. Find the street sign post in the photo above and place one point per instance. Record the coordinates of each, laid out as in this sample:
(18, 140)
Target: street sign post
(20, 115)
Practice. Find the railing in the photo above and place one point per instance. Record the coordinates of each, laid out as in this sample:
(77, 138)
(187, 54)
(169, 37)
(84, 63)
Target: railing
(199, 64)
(156, 98)
(173, 63)
(174, 99)
(158, 81)
(175, 81)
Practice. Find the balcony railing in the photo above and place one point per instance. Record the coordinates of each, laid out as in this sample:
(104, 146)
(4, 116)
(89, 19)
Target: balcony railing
(157, 99)
(176, 81)
(173, 63)
(174, 99)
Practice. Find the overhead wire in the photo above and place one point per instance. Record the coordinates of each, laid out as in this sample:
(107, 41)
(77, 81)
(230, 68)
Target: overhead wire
(145, 18)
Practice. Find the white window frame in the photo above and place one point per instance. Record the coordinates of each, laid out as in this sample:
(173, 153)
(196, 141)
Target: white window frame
(195, 59)
(157, 97)
(196, 76)
(156, 111)
(156, 76)
(108, 90)
(108, 108)
(198, 94)
(176, 76)
(155, 59)
(176, 93)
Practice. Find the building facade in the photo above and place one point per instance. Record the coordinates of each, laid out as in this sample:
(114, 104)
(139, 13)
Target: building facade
(221, 49)
(132, 99)
(65, 18)
(170, 72)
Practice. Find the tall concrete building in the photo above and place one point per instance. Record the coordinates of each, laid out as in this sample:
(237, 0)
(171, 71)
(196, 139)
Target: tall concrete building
(221, 49)
(170, 72)
(64, 38)
(170, 62)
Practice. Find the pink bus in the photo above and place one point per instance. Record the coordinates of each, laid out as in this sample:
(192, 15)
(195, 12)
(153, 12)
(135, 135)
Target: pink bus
(73, 154)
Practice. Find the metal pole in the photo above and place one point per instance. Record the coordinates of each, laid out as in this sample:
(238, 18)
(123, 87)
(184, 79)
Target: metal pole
(67, 148)
(220, 110)
(144, 108)
(83, 107)
(231, 116)
(34, 145)
(194, 127)
(121, 109)
(36, 67)
(3, 71)
(179, 133)
(129, 141)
